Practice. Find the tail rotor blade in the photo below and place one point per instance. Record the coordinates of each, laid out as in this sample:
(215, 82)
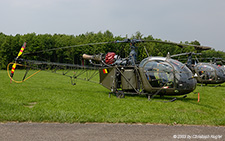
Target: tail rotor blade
(21, 50)
(12, 70)
(14, 65)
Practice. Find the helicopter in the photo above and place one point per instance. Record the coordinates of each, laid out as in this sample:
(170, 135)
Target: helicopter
(205, 73)
(152, 76)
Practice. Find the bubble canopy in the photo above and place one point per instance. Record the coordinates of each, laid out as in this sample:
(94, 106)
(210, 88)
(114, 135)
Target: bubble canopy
(163, 72)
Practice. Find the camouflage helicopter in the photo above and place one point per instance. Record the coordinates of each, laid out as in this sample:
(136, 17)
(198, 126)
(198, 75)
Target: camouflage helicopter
(154, 75)
(205, 73)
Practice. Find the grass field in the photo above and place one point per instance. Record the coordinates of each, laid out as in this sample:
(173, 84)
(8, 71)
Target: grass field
(49, 97)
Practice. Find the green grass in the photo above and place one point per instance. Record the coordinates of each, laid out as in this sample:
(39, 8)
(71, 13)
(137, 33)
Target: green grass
(49, 97)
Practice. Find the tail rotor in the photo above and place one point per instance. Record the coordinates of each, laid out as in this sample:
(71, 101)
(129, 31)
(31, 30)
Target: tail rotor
(15, 63)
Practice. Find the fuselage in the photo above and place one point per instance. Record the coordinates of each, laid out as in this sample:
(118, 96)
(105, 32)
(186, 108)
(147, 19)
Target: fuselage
(168, 76)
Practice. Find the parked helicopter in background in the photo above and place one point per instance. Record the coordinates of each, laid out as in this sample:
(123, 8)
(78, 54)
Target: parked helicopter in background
(215, 60)
(205, 73)
(154, 75)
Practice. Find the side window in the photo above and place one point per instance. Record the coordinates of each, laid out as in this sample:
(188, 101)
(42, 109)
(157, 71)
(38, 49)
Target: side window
(159, 74)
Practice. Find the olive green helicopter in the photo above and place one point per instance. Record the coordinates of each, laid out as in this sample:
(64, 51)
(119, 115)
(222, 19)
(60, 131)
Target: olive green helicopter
(152, 76)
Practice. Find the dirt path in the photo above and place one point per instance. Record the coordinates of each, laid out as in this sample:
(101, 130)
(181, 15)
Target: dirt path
(105, 132)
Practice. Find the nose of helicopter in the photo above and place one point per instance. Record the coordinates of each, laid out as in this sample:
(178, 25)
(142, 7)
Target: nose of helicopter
(221, 78)
(185, 84)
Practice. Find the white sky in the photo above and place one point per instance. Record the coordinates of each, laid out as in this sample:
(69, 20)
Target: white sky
(173, 20)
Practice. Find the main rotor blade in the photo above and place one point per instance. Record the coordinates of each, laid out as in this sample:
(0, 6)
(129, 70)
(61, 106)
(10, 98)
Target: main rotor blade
(89, 44)
(187, 53)
(179, 44)
(133, 41)
(181, 54)
(164, 42)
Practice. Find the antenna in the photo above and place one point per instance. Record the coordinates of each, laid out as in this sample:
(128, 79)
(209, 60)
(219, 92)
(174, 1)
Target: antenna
(168, 55)
(146, 51)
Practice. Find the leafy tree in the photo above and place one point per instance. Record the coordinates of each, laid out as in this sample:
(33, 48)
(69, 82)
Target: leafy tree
(10, 46)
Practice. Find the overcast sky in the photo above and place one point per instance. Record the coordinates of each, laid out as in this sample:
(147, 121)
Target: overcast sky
(173, 20)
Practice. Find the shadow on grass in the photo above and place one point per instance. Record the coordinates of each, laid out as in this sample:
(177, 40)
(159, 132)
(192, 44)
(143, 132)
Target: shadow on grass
(157, 97)
(211, 85)
(191, 101)
(166, 99)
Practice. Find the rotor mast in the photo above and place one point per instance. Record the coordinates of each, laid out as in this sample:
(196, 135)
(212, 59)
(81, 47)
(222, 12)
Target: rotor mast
(133, 53)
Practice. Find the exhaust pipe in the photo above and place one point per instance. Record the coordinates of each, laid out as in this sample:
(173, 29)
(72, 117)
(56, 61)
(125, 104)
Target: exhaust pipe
(92, 57)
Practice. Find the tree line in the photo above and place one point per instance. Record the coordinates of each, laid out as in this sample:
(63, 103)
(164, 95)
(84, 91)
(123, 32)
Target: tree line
(10, 46)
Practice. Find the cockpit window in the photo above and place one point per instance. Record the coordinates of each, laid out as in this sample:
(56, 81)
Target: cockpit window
(179, 67)
(159, 74)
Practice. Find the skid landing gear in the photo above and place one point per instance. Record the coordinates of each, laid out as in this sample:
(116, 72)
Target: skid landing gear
(149, 96)
(185, 96)
(119, 94)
